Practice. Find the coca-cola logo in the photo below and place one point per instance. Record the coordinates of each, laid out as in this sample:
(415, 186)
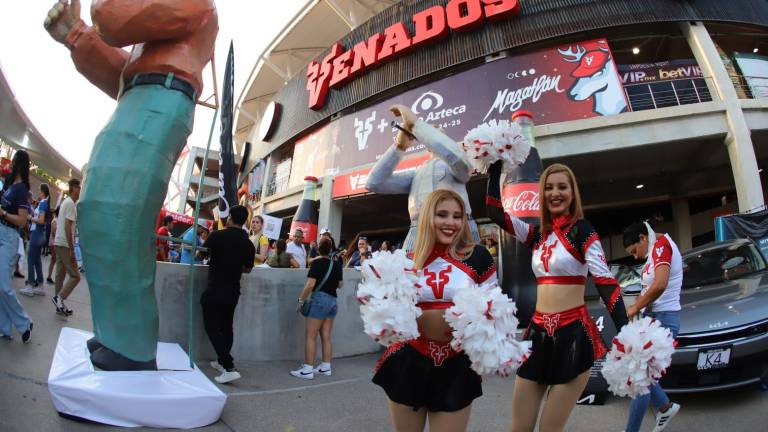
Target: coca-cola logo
(526, 201)
(522, 200)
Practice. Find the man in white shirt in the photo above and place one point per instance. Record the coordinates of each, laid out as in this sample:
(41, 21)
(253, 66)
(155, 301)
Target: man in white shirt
(64, 243)
(296, 248)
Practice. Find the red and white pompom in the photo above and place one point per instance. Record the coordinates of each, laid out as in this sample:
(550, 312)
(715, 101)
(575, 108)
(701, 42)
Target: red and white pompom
(496, 140)
(388, 298)
(639, 356)
(484, 324)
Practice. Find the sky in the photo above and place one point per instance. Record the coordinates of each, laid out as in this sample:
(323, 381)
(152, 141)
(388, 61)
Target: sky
(69, 112)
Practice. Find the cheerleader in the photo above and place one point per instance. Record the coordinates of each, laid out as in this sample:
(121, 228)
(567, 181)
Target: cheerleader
(425, 378)
(565, 340)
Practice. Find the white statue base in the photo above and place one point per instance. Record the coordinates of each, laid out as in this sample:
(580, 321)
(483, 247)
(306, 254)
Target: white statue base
(174, 396)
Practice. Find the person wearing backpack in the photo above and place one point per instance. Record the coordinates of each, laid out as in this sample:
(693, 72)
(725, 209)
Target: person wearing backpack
(317, 303)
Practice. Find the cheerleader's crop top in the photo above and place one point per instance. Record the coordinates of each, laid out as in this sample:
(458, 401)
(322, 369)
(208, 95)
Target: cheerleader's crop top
(443, 276)
(563, 256)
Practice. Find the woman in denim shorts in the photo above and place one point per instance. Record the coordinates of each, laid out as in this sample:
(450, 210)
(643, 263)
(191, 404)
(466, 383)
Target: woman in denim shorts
(324, 278)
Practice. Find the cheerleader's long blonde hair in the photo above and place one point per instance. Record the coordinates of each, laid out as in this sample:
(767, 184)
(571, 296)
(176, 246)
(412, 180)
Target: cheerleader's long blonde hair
(462, 244)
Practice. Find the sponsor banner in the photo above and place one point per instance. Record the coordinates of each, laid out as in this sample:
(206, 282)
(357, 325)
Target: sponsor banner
(314, 154)
(354, 183)
(180, 219)
(643, 73)
(557, 84)
(755, 70)
(745, 225)
(521, 199)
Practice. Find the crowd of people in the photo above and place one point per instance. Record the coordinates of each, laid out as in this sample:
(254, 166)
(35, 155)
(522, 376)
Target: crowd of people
(31, 227)
(425, 378)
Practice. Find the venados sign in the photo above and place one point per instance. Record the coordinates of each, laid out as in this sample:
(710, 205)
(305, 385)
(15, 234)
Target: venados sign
(430, 25)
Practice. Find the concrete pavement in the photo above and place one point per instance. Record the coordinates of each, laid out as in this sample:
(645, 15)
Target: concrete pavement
(268, 399)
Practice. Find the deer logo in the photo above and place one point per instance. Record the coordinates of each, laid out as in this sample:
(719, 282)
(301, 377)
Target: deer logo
(596, 76)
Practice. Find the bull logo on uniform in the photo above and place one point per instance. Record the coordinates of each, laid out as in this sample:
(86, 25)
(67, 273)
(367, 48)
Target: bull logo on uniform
(438, 280)
(596, 77)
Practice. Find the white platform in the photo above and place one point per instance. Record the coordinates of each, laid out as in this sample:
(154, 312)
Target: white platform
(176, 396)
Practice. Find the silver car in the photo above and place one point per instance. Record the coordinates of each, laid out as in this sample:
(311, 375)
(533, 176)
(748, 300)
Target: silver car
(723, 340)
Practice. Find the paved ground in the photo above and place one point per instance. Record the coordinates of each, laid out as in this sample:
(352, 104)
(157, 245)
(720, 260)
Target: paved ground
(268, 399)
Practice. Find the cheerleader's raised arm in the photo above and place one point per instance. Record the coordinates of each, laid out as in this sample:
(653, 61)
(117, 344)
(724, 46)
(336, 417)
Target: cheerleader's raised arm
(521, 230)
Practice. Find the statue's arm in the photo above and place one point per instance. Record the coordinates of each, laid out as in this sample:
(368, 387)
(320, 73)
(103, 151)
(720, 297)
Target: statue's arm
(382, 178)
(128, 22)
(100, 63)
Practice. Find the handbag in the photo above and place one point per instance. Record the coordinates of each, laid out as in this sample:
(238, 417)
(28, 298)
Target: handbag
(305, 307)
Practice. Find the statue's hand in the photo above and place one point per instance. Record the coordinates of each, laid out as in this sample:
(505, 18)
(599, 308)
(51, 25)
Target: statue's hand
(403, 141)
(408, 117)
(61, 18)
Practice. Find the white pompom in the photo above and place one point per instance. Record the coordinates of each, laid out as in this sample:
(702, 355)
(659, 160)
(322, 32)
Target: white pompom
(639, 356)
(484, 326)
(388, 298)
(496, 140)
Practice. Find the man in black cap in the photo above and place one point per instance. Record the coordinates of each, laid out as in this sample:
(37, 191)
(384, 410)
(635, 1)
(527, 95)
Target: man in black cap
(231, 254)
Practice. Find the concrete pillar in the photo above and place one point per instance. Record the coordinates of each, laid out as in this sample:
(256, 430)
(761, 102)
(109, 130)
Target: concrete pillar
(331, 212)
(681, 216)
(738, 140)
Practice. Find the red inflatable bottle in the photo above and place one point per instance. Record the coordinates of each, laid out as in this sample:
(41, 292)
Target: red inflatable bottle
(306, 215)
(520, 197)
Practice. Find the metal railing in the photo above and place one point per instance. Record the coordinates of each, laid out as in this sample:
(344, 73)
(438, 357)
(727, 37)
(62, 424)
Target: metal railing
(750, 87)
(663, 94)
(275, 186)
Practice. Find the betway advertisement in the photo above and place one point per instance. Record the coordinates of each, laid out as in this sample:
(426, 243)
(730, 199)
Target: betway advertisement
(556, 84)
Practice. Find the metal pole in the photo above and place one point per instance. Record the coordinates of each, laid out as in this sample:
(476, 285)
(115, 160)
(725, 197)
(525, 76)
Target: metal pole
(191, 289)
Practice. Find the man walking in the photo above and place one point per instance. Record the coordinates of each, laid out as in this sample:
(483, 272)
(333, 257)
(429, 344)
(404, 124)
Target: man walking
(231, 254)
(64, 243)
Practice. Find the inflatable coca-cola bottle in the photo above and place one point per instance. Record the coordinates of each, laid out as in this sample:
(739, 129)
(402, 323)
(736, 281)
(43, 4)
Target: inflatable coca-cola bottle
(306, 215)
(520, 197)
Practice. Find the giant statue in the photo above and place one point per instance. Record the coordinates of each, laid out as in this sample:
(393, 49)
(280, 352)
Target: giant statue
(156, 85)
(448, 168)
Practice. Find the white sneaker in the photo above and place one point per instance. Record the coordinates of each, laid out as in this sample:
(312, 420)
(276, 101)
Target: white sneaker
(228, 376)
(321, 371)
(39, 292)
(216, 365)
(27, 291)
(663, 418)
(304, 372)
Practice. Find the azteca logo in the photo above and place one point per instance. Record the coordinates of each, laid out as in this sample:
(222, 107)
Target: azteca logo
(429, 103)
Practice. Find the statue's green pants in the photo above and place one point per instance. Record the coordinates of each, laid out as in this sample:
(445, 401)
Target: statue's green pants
(126, 183)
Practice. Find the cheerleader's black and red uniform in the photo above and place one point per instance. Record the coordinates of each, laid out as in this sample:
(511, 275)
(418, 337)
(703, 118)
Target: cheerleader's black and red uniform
(427, 373)
(564, 344)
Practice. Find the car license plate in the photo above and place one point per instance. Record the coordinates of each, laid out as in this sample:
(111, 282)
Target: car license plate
(714, 358)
